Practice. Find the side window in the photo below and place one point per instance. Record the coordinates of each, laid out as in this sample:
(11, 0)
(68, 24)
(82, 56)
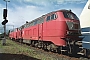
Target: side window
(70, 15)
(48, 18)
(53, 16)
(65, 15)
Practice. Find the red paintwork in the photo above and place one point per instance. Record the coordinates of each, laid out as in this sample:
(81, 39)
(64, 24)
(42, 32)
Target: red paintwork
(11, 35)
(52, 31)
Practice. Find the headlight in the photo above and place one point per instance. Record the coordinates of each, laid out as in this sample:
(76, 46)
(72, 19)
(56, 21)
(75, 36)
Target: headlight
(68, 32)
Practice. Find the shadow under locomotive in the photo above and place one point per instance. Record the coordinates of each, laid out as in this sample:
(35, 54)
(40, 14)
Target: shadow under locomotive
(8, 56)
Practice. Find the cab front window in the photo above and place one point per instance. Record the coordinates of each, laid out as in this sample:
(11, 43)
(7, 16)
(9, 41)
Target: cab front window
(70, 15)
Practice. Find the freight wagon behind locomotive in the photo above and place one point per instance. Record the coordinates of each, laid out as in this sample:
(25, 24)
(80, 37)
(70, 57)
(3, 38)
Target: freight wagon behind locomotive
(56, 31)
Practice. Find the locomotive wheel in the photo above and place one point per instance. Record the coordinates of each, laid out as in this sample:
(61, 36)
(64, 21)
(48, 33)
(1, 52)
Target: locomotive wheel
(49, 47)
(62, 50)
(44, 46)
(36, 45)
(59, 50)
(65, 51)
(40, 44)
(52, 48)
(33, 43)
(21, 40)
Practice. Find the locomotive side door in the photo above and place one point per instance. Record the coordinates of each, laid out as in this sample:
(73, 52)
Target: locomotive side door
(16, 33)
(40, 37)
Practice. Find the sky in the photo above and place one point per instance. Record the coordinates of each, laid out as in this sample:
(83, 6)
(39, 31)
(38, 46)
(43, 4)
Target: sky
(20, 11)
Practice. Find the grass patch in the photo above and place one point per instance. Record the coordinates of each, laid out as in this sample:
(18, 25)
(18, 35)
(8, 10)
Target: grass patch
(15, 48)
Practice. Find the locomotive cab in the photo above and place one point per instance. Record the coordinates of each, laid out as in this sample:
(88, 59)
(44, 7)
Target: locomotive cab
(73, 37)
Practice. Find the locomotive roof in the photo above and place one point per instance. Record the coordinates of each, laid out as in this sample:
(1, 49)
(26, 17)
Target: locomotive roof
(61, 10)
(32, 21)
(46, 15)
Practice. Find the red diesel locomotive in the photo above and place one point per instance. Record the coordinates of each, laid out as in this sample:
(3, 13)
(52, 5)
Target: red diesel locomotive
(56, 31)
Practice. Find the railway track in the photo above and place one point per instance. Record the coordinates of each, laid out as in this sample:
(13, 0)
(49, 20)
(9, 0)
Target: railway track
(56, 56)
